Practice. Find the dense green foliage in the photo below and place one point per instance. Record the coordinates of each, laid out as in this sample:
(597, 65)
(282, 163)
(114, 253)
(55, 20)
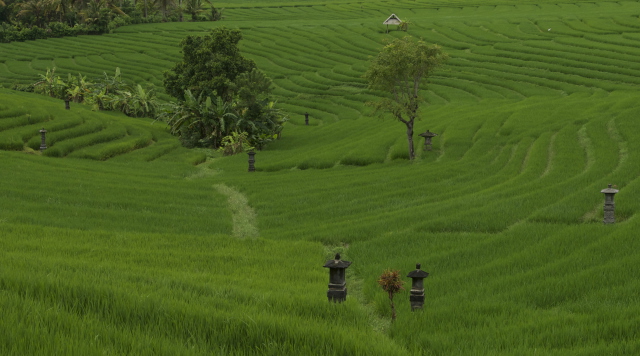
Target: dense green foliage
(107, 93)
(401, 69)
(213, 67)
(22, 20)
(210, 64)
(136, 250)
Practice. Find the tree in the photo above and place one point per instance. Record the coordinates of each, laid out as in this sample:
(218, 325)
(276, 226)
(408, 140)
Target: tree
(98, 13)
(36, 12)
(398, 70)
(209, 65)
(220, 93)
(165, 6)
(136, 101)
(194, 8)
(216, 15)
(48, 83)
(391, 282)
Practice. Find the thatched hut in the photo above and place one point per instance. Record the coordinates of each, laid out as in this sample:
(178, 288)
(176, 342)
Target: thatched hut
(392, 20)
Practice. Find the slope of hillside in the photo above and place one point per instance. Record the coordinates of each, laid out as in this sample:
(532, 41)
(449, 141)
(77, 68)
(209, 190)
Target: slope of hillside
(115, 240)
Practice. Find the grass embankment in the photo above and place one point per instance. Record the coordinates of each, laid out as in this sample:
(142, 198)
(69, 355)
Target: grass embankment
(504, 213)
(137, 254)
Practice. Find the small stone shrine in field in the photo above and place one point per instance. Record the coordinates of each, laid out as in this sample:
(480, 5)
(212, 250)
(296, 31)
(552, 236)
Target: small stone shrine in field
(392, 20)
(337, 285)
(252, 161)
(427, 139)
(416, 297)
(43, 139)
(609, 205)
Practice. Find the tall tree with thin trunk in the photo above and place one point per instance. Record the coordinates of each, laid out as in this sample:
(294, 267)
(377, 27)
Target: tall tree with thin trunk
(399, 70)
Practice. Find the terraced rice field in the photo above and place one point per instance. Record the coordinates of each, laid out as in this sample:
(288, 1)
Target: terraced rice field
(116, 240)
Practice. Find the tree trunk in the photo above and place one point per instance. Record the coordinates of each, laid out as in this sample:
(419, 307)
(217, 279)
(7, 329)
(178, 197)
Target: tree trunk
(410, 139)
(393, 308)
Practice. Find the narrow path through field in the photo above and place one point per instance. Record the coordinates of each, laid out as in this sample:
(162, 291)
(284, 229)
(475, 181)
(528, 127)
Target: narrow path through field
(244, 218)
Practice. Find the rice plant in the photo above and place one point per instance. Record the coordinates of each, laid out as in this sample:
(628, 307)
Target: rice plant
(117, 240)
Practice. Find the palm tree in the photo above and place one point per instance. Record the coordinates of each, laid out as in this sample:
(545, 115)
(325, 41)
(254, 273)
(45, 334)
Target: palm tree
(78, 88)
(50, 84)
(61, 8)
(94, 15)
(193, 8)
(106, 89)
(224, 113)
(164, 6)
(201, 119)
(142, 102)
(34, 12)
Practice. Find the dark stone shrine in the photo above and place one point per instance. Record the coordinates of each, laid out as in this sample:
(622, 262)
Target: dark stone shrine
(609, 205)
(416, 297)
(252, 161)
(43, 144)
(427, 139)
(337, 285)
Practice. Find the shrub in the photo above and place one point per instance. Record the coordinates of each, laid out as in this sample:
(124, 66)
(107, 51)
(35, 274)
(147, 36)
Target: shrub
(234, 144)
(59, 29)
(119, 21)
(33, 33)
(391, 282)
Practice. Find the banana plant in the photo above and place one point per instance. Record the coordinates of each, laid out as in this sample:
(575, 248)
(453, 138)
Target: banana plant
(77, 88)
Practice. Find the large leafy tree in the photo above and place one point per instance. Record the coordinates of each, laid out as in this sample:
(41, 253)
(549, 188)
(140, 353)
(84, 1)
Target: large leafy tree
(220, 93)
(165, 7)
(193, 8)
(37, 12)
(399, 70)
(209, 66)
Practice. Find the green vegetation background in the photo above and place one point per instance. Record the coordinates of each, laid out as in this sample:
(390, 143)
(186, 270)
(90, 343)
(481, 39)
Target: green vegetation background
(128, 244)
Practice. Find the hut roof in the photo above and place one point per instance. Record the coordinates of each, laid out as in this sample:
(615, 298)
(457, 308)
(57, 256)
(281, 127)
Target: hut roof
(392, 20)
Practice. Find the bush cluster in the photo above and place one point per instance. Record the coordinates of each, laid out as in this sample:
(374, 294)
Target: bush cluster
(223, 99)
(107, 93)
(39, 19)
(20, 33)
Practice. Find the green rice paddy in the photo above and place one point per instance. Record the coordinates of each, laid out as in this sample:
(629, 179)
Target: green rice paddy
(116, 240)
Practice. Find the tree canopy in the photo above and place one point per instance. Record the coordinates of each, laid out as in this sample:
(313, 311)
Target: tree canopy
(209, 66)
(35, 19)
(220, 94)
(399, 70)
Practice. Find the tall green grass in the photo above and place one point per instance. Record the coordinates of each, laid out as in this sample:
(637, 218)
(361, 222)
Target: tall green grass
(136, 254)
